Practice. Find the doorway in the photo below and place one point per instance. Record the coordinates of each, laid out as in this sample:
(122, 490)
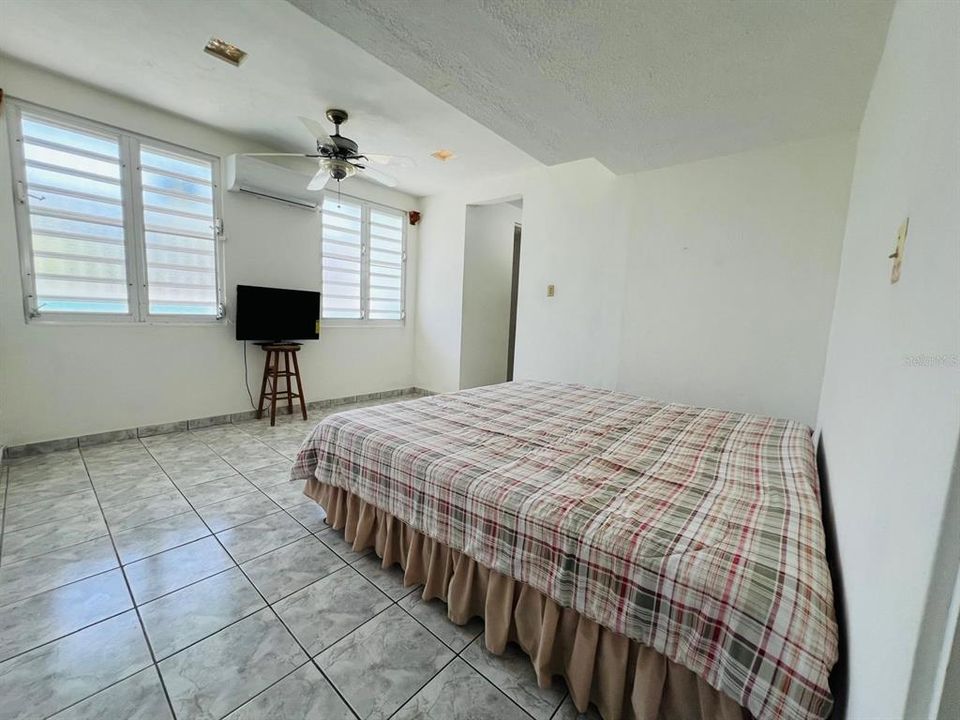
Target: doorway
(491, 276)
(514, 289)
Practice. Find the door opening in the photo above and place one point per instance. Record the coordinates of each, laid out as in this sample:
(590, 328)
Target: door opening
(491, 260)
(514, 288)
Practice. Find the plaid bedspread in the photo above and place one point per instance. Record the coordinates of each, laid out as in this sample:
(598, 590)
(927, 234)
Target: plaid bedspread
(696, 532)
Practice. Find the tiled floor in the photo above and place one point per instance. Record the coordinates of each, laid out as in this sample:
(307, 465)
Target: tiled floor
(183, 575)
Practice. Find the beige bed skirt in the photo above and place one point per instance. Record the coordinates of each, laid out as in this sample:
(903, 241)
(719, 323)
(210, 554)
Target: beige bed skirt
(622, 678)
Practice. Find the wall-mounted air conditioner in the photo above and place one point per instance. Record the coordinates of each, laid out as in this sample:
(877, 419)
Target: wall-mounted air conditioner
(272, 181)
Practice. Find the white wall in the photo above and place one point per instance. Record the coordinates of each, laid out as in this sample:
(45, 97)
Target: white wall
(949, 707)
(572, 237)
(890, 406)
(731, 270)
(663, 279)
(487, 282)
(439, 295)
(64, 380)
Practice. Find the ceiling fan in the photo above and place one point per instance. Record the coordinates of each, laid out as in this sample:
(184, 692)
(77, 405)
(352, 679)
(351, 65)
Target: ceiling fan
(339, 157)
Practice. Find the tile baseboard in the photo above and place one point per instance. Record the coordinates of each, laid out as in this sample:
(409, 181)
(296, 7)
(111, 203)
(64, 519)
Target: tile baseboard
(49, 446)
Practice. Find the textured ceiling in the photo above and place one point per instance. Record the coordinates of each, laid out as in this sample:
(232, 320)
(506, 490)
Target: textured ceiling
(153, 52)
(504, 83)
(635, 83)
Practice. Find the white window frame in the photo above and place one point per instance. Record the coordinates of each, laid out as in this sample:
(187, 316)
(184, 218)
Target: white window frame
(133, 219)
(364, 320)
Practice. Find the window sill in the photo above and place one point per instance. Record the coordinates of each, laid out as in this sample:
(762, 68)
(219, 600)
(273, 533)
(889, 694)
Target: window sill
(356, 324)
(124, 322)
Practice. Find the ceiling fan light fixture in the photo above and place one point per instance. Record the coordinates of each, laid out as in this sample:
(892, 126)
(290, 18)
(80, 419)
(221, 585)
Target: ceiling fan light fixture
(338, 169)
(443, 155)
(225, 51)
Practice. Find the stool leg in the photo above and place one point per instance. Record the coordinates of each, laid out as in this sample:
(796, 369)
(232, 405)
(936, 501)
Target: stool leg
(286, 364)
(273, 389)
(296, 368)
(263, 385)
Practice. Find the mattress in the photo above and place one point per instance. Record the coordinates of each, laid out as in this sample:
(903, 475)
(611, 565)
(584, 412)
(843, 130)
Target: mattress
(696, 532)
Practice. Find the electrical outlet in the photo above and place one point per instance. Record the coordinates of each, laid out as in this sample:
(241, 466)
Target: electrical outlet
(551, 290)
(897, 255)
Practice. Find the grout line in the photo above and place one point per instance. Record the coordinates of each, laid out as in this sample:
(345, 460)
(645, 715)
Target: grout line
(3, 514)
(241, 493)
(351, 563)
(256, 589)
(481, 674)
(277, 682)
(457, 654)
(34, 502)
(119, 530)
(217, 539)
(44, 522)
(293, 592)
(283, 623)
(267, 552)
(110, 531)
(425, 627)
(232, 559)
(429, 680)
(151, 666)
(119, 566)
(168, 517)
(492, 682)
(377, 614)
(256, 488)
(556, 713)
(36, 541)
(332, 684)
(211, 634)
(347, 634)
(66, 635)
(194, 510)
(172, 547)
(59, 587)
(189, 584)
(309, 533)
(136, 609)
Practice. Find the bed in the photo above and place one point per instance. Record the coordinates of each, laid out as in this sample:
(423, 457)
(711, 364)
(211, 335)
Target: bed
(666, 560)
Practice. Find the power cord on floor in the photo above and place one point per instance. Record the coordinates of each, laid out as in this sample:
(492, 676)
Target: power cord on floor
(246, 376)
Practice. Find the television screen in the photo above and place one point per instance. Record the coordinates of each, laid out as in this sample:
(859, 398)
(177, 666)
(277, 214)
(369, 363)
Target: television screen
(275, 314)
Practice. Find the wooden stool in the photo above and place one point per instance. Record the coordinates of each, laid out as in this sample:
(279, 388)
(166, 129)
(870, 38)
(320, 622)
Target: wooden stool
(273, 373)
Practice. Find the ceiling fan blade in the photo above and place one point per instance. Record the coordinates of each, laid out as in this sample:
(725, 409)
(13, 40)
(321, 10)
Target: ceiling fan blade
(300, 155)
(394, 160)
(317, 130)
(319, 181)
(377, 176)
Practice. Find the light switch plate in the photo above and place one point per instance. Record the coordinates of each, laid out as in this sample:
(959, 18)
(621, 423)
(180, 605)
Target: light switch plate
(551, 290)
(897, 255)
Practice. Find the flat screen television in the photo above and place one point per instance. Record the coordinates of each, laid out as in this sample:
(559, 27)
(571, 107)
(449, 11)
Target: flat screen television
(271, 314)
